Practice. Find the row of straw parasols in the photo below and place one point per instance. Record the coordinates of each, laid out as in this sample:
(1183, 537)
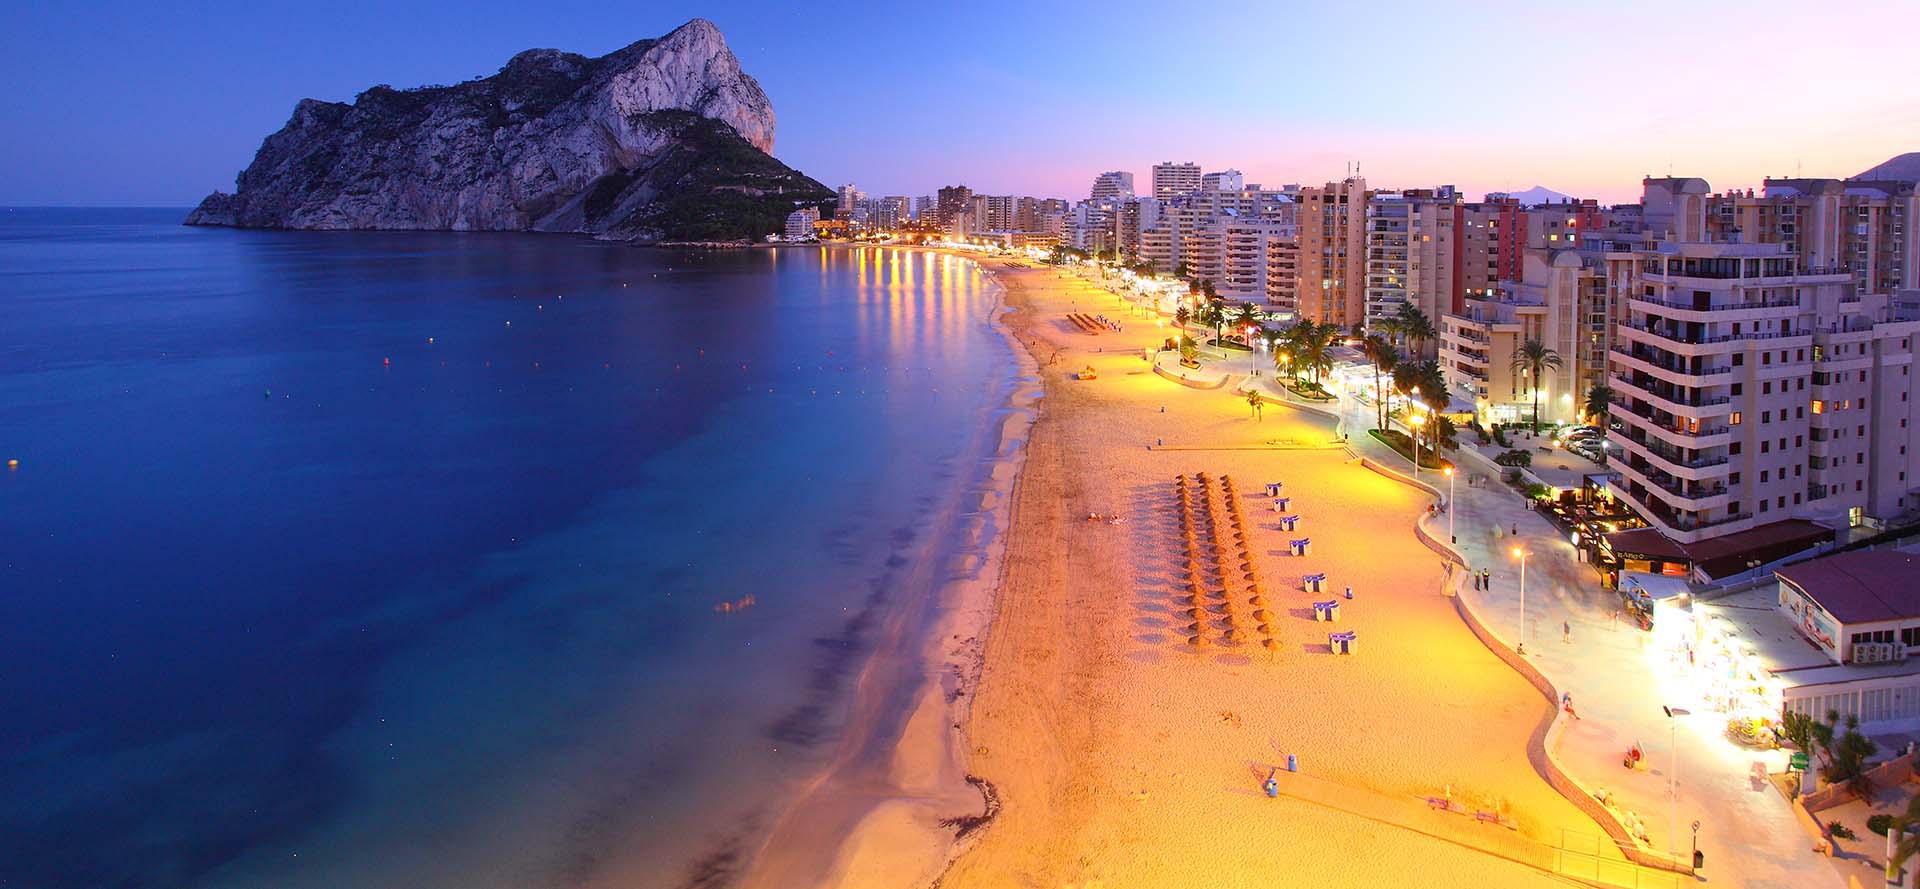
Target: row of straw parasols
(1229, 544)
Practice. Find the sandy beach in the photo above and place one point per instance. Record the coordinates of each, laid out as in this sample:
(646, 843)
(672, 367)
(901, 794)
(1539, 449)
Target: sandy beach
(1069, 731)
(1124, 755)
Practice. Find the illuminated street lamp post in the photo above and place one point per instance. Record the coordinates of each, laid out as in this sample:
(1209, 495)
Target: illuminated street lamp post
(1673, 770)
(1253, 350)
(1522, 555)
(1450, 490)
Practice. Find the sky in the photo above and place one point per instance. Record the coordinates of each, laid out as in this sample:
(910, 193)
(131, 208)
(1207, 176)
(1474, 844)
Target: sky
(157, 103)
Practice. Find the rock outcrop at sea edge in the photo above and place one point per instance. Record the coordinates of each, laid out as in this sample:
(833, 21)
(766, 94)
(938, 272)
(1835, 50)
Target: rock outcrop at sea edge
(663, 140)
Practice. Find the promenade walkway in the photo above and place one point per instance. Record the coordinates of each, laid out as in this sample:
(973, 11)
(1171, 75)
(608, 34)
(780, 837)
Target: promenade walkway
(1618, 686)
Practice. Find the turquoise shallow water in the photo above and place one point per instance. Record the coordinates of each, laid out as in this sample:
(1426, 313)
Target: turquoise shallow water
(393, 559)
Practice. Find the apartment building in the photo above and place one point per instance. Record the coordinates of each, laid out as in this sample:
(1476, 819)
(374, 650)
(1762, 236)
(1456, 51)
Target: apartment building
(1412, 253)
(1171, 180)
(951, 203)
(1332, 252)
(800, 224)
(1131, 218)
(1562, 302)
(1752, 392)
(1865, 227)
(1112, 187)
(891, 212)
(1283, 273)
(991, 213)
(1234, 254)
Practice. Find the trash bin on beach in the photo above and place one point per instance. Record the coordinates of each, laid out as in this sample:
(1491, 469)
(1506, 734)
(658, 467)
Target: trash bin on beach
(1302, 545)
(1280, 503)
(1273, 489)
(1341, 643)
(1287, 522)
(1314, 583)
(1327, 611)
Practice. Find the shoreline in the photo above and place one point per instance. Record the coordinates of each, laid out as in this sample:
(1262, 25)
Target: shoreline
(909, 819)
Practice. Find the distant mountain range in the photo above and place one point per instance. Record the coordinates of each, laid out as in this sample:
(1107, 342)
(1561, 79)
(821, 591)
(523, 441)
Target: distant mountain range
(1905, 168)
(1536, 195)
(663, 140)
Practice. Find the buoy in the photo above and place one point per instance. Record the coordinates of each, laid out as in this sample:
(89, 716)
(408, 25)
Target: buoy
(13, 464)
(387, 361)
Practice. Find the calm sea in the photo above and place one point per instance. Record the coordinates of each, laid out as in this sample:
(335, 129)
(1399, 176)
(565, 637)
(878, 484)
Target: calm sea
(399, 559)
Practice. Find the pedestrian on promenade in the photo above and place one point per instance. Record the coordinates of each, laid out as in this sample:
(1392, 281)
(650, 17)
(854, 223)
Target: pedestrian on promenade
(1516, 529)
(1566, 632)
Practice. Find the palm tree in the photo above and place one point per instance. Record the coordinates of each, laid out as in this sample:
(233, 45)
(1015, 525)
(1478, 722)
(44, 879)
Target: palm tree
(1384, 357)
(1425, 379)
(1415, 326)
(1182, 270)
(1535, 359)
(1315, 345)
(1214, 315)
(1246, 316)
(1181, 316)
(1599, 405)
(1389, 328)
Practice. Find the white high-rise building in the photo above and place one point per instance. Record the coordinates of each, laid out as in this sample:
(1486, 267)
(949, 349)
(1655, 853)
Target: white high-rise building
(1225, 180)
(1112, 187)
(1171, 180)
(1753, 389)
(800, 224)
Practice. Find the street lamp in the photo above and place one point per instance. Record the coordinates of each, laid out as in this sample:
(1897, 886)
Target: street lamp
(1673, 769)
(1522, 555)
(1450, 490)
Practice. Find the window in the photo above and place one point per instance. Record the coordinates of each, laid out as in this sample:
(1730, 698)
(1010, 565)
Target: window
(1737, 387)
(1799, 413)
(1763, 476)
(1819, 407)
(1763, 506)
(1739, 359)
(1766, 417)
(1782, 503)
(1733, 479)
(1765, 446)
(1735, 419)
(1766, 389)
(1799, 441)
(1734, 449)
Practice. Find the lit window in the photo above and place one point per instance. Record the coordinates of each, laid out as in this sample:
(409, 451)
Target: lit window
(1735, 419)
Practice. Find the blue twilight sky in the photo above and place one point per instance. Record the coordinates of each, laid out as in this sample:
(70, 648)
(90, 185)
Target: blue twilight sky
(159, 102)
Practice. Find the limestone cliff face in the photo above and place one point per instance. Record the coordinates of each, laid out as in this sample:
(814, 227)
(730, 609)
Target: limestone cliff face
(636, 143)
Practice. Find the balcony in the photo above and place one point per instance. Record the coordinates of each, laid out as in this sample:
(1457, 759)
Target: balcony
(1694, 305)
(1645, 359)
(1678, 496)
(1668, 397)
(1704, 436)
(1671, 460)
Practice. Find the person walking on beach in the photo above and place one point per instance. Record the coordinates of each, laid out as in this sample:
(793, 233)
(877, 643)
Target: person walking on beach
(1566, 632)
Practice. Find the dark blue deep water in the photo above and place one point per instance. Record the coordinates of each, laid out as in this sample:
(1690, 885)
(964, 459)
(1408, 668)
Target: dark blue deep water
(393, 559)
